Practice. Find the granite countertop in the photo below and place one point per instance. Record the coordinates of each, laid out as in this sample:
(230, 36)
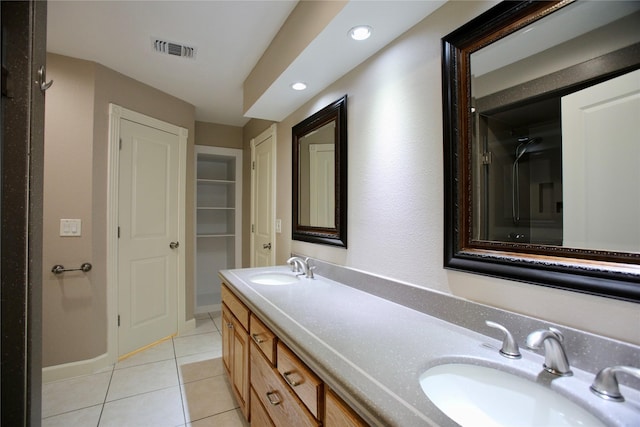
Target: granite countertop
(372, 351)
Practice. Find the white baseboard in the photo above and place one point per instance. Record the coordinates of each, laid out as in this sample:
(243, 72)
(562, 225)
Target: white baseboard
(74, 369)
(186, 326)
(95, 365)
(213, 308)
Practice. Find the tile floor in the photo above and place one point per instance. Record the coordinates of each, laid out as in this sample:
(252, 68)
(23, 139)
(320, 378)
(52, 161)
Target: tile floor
(177, 383)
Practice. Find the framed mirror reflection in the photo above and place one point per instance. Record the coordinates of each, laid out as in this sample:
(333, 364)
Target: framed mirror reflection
(319, 209)
(542, 145)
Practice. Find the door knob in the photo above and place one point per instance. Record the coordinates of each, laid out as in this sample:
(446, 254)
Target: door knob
(267, 246)
(174, 245)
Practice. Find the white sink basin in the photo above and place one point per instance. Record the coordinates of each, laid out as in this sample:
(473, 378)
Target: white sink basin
(274, 278)
(474, 395)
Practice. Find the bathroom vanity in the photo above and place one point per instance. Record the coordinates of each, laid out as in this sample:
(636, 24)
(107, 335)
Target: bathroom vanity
(348, 348)
(281, 390)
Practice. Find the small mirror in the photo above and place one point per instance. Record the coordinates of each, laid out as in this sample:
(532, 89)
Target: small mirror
(319, 176)
(542, 145)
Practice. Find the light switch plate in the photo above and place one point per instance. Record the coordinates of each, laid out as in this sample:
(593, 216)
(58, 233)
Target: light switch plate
(278, 226)
(70, 227)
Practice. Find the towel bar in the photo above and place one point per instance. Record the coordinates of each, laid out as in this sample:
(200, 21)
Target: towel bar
(59, 269)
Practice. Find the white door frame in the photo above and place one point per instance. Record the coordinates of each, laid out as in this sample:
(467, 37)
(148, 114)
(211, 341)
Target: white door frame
(115, 114)
(270, 132)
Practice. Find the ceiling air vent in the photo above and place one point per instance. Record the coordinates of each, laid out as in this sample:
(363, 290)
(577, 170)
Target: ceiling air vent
(172, 48)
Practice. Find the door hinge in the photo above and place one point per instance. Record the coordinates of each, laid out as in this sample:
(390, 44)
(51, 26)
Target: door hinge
(120, 144)
(486, 158)
(253, 165)
(118, 232)
(118, 320)
(253, 228)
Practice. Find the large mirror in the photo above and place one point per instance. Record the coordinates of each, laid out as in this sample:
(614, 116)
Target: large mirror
(320, 176)
(542, 145)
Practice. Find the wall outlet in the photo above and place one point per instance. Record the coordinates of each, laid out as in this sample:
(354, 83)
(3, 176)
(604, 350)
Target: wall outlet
(278, 226)
(70, 227)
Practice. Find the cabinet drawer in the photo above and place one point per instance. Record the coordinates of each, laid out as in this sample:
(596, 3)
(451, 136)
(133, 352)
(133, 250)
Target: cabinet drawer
(276, 397)
(263, 338)
(338, 414)
(302, 380)
(259, 417)
(236, 307)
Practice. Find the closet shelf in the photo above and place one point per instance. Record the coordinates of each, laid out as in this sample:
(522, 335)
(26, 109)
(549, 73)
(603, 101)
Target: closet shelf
(214, 181)
(215, 235)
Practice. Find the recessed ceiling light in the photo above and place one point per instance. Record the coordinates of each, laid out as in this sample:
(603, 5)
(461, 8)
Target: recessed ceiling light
(298, 86)
(361, 32)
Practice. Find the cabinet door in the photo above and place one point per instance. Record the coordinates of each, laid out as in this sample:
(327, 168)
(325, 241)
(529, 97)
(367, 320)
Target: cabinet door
(226, 344)
(240, 364)
(235, 357)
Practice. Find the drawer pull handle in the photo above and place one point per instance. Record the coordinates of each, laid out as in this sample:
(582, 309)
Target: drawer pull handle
(289, 381)
(273, 398)
(230, 325)
(257, 339)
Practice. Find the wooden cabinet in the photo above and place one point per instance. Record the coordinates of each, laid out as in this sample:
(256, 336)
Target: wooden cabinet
(339, 414)
(235, 347)
(273, 386)
(217, 221)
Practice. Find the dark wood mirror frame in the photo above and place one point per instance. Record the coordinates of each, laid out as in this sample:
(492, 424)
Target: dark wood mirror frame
(614, 275)
(335, 112)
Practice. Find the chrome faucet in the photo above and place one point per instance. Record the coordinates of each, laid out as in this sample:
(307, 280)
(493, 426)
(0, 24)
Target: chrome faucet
(555, 358)
(605, 385)
(301, 266)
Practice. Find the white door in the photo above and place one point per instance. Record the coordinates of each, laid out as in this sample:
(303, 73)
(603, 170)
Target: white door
(322, 179)
(600, 157)
(263, 252)
(148, 245)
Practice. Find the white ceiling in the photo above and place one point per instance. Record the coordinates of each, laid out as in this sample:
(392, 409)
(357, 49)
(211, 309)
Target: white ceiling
(230, 37)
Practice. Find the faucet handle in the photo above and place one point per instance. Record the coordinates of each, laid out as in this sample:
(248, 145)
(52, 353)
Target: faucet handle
(309, 268)
(310, 272)
(509, 345)
(605, 385)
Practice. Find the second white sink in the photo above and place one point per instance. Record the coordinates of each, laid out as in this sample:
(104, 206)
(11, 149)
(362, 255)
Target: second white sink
(473, 395)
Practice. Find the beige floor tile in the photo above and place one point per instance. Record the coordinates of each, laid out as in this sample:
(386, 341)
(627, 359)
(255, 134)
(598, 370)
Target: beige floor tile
(161, 408)
(226, 419)
(204, 398)
(203, 326)
(199, 366)
(160, 351)
(76, 393)
(87, 417)
(142, 379)
(201, 343)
